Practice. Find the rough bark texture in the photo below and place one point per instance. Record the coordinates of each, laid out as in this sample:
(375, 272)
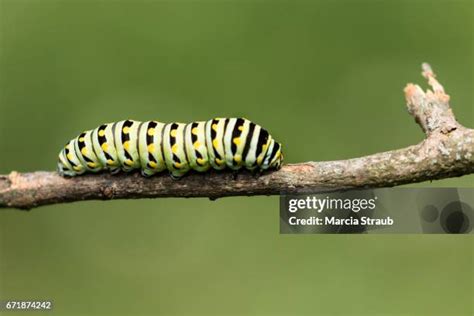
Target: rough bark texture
(447, 151)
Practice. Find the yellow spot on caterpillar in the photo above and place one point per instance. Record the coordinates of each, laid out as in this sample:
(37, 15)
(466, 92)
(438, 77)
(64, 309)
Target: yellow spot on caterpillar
(214, 127)
(264, 147)
(194, 131)
(126, 130)
(197, 144)
(241, 128)
(105, 146)
(91, 164)
(81, 140)
(110, 162)
(152, 164)
(128, 162)
(69, 156)
(151, 131)
(174, 148)
(259, 160)
(84, 151)
(238, 158)
(219, 161)
(215, 143)
(151, 148)
(77, 168)
(178, 165)
(200, 161)
(102, 133)
(173, 133)
(126, 145)
(237, 141)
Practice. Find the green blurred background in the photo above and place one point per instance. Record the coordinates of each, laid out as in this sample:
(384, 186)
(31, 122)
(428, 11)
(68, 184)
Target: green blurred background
(324, 77)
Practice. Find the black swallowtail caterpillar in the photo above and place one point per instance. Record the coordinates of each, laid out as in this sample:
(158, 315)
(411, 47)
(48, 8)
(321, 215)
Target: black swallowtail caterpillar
(154, 147)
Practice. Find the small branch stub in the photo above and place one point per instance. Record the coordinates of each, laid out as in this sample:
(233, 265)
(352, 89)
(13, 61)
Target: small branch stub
(447, 151)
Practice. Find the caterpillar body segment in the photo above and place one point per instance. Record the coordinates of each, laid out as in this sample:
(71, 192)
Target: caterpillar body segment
(214, 141)
(154, 147)
(174, 150)
(104, 147)
(196, 146)
(127, 149)
(150, 148)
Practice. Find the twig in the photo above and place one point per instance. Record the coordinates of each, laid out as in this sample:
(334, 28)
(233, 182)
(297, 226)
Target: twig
(447, 151)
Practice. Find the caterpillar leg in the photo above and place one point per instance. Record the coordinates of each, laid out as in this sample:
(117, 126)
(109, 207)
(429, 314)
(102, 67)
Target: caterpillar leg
(176, 176)
(257, 172)
(145, 173)
(235, 173)
(115, 171)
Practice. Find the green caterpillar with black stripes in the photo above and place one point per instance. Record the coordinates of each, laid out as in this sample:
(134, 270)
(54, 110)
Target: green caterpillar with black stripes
(154, 147)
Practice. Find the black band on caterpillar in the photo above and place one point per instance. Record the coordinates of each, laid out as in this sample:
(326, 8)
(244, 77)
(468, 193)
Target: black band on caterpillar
(153, 147)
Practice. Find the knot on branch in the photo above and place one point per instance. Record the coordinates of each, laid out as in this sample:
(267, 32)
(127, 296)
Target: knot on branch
(430, 109)
(108, 192)
(5, 183)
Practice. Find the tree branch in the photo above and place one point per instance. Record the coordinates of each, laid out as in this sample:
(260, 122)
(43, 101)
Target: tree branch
(447, 151)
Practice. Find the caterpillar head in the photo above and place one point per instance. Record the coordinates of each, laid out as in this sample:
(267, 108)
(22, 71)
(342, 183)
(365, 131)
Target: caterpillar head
(278, 160)
(64, 168)
(273, 157)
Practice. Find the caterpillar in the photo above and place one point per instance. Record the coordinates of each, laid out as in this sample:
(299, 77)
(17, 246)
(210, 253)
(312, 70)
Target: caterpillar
(154, 147)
